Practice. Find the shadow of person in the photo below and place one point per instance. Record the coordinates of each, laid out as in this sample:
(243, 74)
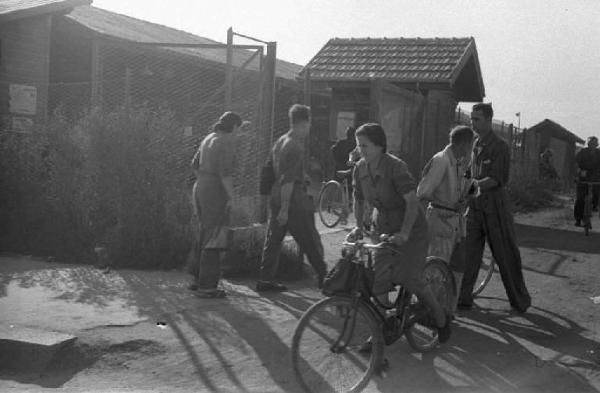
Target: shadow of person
(493, 351)
(556, 239)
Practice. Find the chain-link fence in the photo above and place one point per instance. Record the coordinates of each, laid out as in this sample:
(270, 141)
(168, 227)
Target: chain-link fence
(191, 82)
(113, 157)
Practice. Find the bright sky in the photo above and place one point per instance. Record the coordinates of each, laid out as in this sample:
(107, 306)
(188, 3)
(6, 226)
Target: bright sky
(538, 57)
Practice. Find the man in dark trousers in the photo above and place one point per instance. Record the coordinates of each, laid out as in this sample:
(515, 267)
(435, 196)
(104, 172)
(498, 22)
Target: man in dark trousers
(341, 151)
(292, 208)
(489, 217)
(588, 169)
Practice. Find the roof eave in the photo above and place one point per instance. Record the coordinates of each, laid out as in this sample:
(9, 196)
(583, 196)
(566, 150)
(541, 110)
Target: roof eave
(62, 7)
(470, 51)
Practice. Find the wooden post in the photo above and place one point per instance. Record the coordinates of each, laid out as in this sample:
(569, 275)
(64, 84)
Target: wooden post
(127, 87)
(229, 69)
(96, 75)
(307, 87)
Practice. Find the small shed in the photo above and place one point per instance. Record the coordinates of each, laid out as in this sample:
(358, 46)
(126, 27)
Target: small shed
(25, 27)
(562, 144)
(410, 85)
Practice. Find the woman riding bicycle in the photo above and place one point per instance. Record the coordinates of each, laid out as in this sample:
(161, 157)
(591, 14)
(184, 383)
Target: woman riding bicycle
(384, 181)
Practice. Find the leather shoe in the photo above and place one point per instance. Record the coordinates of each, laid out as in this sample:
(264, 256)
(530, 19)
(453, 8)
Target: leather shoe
(464, 306)
(270, 286)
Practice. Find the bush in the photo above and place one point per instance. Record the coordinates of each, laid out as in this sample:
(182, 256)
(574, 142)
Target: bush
(527, 193)
(104, 179)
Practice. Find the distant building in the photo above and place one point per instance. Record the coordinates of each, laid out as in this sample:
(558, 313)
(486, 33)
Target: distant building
(410, 85)
(562, 144)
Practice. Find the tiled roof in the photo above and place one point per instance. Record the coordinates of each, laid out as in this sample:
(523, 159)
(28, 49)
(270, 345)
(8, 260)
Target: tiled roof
(123, 27)
(17, 9)
(394, 59)
(556, 129)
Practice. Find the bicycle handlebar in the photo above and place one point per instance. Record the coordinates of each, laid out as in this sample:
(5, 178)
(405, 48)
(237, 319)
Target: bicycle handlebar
(372, 246)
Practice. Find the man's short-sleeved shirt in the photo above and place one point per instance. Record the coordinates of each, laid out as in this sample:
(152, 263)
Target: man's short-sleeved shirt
(443, 181)
(288, 164)
(215, 155)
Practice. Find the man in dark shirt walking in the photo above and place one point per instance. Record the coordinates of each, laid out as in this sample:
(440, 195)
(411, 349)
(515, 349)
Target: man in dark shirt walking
(292, 208)
(489, 216)
(588, 170)
(341, 151)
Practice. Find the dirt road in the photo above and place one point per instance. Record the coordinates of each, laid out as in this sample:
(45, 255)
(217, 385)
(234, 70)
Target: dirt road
(143, 331)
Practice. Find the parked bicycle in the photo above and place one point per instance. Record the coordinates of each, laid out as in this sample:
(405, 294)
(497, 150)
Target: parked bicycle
(587, 206)
(328, 344)
(335, 203)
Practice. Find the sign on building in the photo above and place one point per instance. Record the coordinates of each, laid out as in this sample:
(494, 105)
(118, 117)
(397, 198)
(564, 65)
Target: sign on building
(22, 99)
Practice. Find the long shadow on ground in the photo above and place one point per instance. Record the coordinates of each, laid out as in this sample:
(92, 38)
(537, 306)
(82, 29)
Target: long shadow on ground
(557, 239)
(496, 351)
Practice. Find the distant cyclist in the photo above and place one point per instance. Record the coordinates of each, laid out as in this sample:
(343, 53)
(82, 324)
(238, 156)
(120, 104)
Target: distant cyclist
(588, 169)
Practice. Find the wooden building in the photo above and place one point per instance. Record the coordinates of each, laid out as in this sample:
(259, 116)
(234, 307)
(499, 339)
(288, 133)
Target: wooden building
(562, 144)
(410, 85)
(25, 28)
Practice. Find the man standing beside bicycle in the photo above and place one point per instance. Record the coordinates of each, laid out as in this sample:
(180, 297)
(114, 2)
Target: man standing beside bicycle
(489, 217)
(588, 170)
(340, 152)
(445, 188)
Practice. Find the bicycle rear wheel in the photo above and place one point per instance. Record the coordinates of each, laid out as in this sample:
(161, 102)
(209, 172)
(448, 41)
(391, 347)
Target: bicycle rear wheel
(485, 275)
(331, 203)
(423, 337)
(326, 344)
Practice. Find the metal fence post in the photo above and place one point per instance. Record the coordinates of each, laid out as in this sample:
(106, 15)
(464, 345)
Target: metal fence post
(229, 69)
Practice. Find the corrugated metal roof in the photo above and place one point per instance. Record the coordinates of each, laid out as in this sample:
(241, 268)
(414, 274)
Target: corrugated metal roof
(16, 9)
(395, 59)
(123, 27)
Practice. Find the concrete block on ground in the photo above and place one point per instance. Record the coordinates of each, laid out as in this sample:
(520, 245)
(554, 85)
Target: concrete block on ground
(29, 349)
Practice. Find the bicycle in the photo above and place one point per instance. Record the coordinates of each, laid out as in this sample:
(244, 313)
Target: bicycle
(334, 203)
(329, 340)
(587, 206)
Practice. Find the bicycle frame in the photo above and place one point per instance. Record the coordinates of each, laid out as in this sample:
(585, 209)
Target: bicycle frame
(370, 300)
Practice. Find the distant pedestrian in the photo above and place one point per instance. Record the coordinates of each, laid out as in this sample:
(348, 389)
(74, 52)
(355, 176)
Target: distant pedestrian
(489, 217)
(446, 189)
(212, 194)
(340, 152)
(588, 170)
(547, 170)
(292, 209)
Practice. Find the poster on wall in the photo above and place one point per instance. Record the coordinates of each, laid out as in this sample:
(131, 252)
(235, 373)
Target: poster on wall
(22, 99)
(22, 124)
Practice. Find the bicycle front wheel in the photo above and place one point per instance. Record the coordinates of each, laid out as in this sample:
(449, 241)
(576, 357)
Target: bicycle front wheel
(327, 344)
(424, 337)
(331, 203)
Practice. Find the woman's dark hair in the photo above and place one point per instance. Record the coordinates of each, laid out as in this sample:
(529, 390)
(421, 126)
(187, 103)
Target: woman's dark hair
(486, 109)
(227, 121)
(460, 135)
(375, 133)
